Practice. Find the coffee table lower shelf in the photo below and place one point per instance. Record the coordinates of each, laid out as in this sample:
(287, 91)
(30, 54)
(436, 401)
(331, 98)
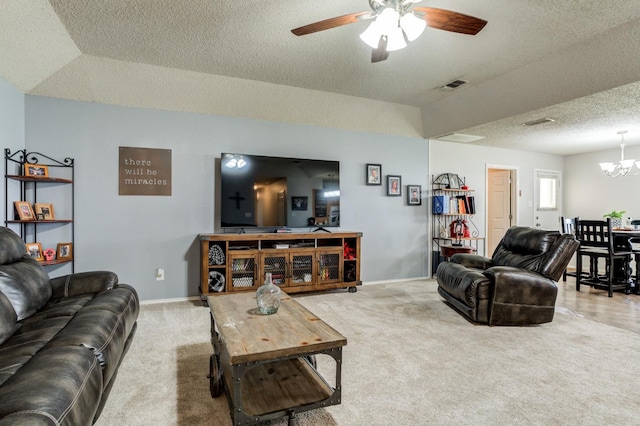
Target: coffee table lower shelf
(268, 390)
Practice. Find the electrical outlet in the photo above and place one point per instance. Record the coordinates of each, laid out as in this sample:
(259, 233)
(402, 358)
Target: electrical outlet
(159, 274)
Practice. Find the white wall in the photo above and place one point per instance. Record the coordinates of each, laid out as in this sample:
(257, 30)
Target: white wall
(134, 235)
(471, 161)
(590, 194)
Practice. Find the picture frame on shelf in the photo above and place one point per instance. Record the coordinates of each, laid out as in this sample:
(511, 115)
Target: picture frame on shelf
(374, 174)
(414, 195)
(299, 203)
(44, 209)
(65, 251)
(36, 170)
(454, 181)
(394, 185)
(35, 251)
(24, 210)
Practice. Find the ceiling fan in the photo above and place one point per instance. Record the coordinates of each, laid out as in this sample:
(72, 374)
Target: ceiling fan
(396, 22)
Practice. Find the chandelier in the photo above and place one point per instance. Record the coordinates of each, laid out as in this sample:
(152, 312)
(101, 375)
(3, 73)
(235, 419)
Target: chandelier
(393, 23)
(624, 167)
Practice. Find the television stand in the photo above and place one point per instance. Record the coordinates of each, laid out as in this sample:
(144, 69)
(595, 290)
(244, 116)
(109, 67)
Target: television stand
(298, 262)
(321, 228)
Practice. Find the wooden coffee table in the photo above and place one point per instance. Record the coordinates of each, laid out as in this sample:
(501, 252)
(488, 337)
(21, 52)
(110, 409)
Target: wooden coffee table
(266, 363)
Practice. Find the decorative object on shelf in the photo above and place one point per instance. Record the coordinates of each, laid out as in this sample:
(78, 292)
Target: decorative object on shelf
(49, 254)
(35, 250)
(299, 203)
(454, 181)
(36, 170)
(216, 255)
(24, 210)
(459, 230)
(616, 217)
(349, 252)
(268, 296)
(216, 281)
(65, 251)
(623, 167)
(46, 210)
(374, 174)
(414, 195)
(393, 186)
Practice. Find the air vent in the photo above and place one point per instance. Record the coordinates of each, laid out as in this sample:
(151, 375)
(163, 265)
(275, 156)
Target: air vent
(458, 137)
(453, 85)
(538, 121)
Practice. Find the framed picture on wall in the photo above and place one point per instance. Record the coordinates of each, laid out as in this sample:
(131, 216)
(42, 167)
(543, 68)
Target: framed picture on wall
(374, 174)
(414, 195)
(299, 203)
(393, 186)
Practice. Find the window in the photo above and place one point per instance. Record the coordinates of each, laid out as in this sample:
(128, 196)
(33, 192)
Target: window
(548, 191)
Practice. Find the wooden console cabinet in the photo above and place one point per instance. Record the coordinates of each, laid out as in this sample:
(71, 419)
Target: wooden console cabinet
(297, 262)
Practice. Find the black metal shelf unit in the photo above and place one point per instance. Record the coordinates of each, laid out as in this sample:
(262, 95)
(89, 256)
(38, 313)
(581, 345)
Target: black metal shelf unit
(61, 174)
(452, 211)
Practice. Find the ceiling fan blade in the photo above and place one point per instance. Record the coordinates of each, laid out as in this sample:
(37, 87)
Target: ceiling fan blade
(331, 23)
(380, 53)
(450, 21)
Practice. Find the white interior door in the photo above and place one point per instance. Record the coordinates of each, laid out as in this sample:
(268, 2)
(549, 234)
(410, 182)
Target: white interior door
(499, 203)
(547, 196)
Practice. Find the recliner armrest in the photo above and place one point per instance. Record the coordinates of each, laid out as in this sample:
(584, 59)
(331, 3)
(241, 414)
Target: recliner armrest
(521, 296)
(474, 261)
(82, 283)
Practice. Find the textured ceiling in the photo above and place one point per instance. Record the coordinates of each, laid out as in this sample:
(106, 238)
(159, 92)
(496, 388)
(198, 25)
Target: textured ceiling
(53, 48)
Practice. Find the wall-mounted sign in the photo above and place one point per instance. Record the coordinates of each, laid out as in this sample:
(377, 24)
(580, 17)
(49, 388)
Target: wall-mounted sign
(144, 171)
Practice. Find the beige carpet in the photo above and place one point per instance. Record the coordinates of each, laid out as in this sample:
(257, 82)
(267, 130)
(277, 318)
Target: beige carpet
(410, 360)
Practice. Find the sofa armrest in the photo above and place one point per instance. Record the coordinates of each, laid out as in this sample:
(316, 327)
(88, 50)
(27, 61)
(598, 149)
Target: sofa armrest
(474, 261)
(521, 296)
(82, 283)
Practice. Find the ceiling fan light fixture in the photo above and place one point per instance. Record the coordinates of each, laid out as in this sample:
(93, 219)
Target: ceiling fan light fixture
(412, 25)
(371, 35)
(388, 21)
(396, 40)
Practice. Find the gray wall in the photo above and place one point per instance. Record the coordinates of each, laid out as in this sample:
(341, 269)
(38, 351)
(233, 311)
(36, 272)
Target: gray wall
(134, 235)
(11, 121)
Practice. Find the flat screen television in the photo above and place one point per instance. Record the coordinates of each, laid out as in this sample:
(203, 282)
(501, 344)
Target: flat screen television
(275, 192)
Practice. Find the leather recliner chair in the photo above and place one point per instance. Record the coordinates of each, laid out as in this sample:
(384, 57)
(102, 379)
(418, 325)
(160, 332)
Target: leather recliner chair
(517, 286)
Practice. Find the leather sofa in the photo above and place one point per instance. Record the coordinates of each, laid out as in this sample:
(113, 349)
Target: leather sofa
(61, 339)
(517, 286)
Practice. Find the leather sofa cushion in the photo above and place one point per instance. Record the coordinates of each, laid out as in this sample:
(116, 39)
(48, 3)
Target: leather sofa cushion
(57, 386)
(466, 285)
(8, 319)
(30, 291)
(12, 248)
(32, 337)
(523, 247)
